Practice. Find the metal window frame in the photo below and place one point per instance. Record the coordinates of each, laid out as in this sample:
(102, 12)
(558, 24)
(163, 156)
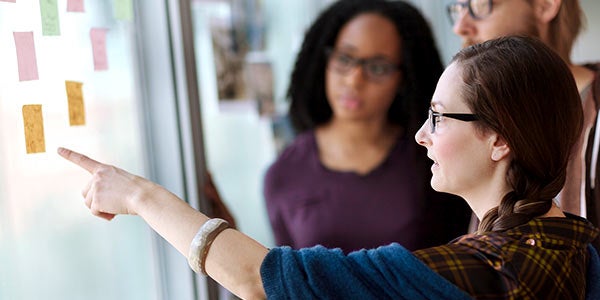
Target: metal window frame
(174, 133)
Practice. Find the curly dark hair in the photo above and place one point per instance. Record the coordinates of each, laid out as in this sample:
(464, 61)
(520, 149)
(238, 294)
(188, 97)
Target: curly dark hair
(421, 64)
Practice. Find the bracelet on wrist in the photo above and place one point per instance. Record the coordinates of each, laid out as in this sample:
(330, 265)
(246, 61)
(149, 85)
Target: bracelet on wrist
(202, 242)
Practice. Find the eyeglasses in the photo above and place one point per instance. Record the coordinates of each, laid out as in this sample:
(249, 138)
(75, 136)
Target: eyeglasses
(434, 117)
(478, 9)
(375, 69)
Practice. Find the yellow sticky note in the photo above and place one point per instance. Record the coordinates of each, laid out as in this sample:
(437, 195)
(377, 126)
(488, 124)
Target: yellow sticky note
(34, 128)
(76, 107)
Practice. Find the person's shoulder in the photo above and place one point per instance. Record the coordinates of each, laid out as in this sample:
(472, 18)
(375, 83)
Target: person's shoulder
(301, 148)
(293, 159)
(488, 244)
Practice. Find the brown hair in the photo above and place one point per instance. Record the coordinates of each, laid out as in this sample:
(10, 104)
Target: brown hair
(523, 91)
(565, 28)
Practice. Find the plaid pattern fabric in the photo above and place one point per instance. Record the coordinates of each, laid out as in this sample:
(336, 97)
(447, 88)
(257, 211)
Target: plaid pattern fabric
(543, 259)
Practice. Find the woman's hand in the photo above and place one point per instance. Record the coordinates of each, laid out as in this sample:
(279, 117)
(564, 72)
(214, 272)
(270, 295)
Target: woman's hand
(234, 259)
(111, 190)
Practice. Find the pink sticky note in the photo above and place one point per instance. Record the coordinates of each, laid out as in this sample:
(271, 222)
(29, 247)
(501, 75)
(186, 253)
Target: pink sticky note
(13, 1)
(26, 56)
(75, 5)
(98, 36)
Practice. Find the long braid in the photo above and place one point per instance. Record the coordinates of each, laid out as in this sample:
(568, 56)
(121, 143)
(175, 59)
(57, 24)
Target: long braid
(526, 201)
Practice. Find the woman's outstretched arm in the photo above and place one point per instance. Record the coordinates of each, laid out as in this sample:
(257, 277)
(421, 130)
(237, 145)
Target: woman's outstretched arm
(234, 259)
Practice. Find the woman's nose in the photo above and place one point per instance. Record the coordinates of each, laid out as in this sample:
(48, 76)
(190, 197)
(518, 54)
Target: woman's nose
(421, 136)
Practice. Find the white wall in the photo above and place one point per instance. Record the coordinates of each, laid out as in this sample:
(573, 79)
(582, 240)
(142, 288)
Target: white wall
(587, 47)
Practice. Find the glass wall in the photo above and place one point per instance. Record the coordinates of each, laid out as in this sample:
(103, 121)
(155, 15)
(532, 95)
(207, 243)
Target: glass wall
(50, 245)
(244, 53)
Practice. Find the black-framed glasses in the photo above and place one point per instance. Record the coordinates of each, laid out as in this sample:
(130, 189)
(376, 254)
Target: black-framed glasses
(375, 68)
(478, 9)
(434, 117)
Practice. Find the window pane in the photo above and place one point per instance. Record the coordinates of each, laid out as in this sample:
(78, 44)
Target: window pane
(50, 245)
(245, 50)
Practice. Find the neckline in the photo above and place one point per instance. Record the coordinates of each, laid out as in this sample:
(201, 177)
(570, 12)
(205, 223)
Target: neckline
(400, 139)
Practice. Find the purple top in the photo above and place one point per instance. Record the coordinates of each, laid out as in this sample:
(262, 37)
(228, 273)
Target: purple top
(309, 204)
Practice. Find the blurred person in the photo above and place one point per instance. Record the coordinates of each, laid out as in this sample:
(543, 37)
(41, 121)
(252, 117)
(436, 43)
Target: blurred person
(501, 145)
(557, 23)
(364, 75)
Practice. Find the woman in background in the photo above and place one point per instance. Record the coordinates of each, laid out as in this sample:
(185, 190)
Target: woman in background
(362, 80)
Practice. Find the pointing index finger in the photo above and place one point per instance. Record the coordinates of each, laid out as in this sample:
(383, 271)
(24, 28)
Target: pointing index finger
(79, 159)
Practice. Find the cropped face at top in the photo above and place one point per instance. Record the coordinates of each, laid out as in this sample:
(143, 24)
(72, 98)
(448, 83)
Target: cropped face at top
(460, 152)
(477, 9)
(476, 21)
(363, 69)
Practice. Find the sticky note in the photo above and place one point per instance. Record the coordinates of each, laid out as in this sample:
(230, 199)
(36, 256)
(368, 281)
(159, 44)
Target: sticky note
(34, 128)
(98, 37)
(123, 10)
(75, 99)
(13, 1)
(26, 60)
(75, 6)
(50, 24)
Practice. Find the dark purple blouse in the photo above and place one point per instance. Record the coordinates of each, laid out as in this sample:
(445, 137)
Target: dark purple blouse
(309, 204)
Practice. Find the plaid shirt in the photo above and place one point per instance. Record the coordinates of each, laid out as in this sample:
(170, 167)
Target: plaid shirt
(545, 258)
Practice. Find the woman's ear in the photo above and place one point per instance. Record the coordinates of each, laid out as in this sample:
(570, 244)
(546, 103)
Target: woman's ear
(547, 10)
(500, 148)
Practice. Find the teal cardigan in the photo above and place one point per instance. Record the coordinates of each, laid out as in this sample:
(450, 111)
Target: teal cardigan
(389, 272)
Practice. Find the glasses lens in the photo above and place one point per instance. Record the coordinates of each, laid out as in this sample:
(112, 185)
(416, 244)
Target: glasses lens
(341, 62)
(455, 10)
(430, 117)
(377, 69)
(480, 8)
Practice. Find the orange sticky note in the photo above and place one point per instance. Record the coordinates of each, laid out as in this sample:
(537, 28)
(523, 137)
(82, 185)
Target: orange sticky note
(75, 6)
(76, 107)
(98, 37)
(26, 56)
(34, 128)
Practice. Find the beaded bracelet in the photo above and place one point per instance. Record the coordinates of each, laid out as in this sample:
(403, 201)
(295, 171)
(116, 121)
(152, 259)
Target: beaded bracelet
(202, 241)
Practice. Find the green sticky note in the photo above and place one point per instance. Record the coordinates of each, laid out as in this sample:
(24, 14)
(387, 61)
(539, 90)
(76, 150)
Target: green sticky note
(50, 24)
(123, 9)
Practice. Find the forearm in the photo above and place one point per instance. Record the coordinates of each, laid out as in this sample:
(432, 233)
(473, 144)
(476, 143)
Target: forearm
(234, 259)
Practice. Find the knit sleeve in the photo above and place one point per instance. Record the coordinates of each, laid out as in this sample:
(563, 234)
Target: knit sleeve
(389, 272)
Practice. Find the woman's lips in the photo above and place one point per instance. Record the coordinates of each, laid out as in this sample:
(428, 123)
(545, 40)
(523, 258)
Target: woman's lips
(350, 102)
